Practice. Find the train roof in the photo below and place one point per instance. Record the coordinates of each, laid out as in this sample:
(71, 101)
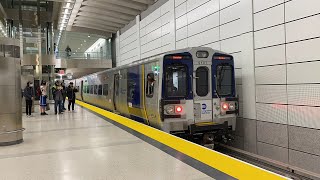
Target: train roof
(155, 57)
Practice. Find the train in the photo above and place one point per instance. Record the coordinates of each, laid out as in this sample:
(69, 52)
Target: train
(187, 92)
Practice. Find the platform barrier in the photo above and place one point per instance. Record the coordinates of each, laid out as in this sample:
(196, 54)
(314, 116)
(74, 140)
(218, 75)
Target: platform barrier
(217, 161)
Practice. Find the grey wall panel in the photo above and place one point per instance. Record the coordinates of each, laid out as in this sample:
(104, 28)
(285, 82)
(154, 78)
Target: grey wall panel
(239, 127)
(305, 161)
(273, 152)
(272, 133)
(304, 139)
(250, 135)
(7, 73)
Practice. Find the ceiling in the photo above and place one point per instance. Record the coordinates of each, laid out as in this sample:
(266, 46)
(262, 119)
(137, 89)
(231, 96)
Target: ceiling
(104, 16)
(78, 42)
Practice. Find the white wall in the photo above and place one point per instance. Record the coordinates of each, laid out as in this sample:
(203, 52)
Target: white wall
(276, 49)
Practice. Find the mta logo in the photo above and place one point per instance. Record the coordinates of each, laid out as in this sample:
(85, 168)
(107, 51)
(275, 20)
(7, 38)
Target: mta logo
(204, 106)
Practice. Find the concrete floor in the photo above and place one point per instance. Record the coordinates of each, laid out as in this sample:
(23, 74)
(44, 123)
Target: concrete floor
(81, 146)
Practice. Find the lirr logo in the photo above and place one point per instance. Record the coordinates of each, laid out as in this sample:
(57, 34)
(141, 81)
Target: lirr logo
(204, 106)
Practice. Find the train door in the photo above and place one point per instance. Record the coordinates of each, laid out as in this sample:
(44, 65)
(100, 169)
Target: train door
(151, 79)
(116, 91)
(202, 92)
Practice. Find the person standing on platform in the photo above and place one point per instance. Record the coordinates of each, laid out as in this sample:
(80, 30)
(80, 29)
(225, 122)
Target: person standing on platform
(28, 94)
(43, 97)
(64, 93)
(57, 93)
(71, 94)
(68, 51)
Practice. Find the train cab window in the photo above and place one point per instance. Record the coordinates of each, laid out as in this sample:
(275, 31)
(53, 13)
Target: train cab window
(202, 81)
(176, 81)
(105, 90)
(224, 80)
(150, 85)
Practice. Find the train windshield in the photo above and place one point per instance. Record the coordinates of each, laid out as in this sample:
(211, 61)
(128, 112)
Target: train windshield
(176, 81)
(224, 80)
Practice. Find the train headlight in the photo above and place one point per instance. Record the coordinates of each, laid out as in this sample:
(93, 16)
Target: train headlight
(225, 106)
(170, 109)
(232, 107)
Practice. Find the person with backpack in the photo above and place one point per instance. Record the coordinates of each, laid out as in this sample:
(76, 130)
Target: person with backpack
(57, 92)
(28, 94)
(43, 97)
(71, 94)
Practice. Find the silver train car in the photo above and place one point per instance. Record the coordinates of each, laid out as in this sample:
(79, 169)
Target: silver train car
(188, 92)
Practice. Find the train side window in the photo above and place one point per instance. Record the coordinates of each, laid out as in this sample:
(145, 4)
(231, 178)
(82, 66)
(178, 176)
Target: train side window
(105, 90)
(100, 89)
(150, 85)
(95, 89)
(91, 89)
(202, 81)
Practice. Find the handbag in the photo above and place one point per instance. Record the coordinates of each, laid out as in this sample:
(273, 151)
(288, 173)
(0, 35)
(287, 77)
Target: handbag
(47, 107)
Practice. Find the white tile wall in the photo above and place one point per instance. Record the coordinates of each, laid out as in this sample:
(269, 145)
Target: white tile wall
(231, 45)
(259, 5)
(226, 3)
(304, 116)
(270, 56)
(204, 10)
(303, 51)
(271, 75)
(271, 94)
(212, 21)
(294, 10)
(304, 94)
(230, 13)
(270, 37)
(275, 113)
(271, 17)
(230, 29)
(303, 29)
(304, 73)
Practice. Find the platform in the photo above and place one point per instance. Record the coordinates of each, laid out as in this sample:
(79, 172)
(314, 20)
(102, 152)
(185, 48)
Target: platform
(81, 145)
(93, 143)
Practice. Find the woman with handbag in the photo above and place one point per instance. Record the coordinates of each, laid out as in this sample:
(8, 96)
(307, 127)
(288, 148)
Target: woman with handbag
(43, 98)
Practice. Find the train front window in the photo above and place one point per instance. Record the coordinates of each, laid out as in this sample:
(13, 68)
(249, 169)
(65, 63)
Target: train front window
(224, 80)
(176, 81)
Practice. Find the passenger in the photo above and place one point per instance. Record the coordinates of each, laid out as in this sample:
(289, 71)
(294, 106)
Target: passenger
(43, 98)
(57, 93)
(29, 96)
(64, 93)
(71, 94)
(68, 51)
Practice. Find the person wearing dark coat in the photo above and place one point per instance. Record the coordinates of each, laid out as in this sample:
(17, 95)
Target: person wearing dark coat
(71, 94)
(28, 94)
(57, 93)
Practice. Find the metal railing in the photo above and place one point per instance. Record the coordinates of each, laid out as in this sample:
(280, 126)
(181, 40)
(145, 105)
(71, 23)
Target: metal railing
(83, 55)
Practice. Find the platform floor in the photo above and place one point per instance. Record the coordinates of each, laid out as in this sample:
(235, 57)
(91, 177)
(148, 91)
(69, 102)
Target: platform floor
(81, 146)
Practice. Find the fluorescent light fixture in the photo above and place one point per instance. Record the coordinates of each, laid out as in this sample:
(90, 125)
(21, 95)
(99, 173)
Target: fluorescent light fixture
(67, 5)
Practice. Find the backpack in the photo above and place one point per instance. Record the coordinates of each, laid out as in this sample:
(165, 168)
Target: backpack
(39, 91)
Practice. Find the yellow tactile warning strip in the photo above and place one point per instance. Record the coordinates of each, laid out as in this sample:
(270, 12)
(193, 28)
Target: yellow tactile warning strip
(226, 164)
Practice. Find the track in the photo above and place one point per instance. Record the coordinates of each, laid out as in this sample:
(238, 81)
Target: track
(239, 154)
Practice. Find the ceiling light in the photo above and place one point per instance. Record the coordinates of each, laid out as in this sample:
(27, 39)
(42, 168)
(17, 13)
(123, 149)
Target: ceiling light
(84, 41)
(78, 48)
(88, 35)
(67, 5)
